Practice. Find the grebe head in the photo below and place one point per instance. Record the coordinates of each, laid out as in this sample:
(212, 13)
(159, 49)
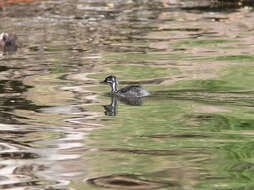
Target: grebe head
(112, 81)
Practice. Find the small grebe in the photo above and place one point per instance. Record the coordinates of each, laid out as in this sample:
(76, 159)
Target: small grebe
(128, 91)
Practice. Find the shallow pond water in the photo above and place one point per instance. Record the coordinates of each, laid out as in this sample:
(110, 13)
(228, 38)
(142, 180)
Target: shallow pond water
(60, 129)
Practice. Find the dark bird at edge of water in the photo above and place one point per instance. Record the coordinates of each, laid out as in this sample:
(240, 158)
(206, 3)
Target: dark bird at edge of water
(8, 42)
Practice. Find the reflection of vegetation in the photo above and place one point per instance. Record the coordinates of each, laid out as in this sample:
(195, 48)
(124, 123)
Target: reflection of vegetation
(230, 47)
(215, 122)
(233, 78)
(204, 42)
(38, 136)
(142, 57)
(241, 58)
(234, 165)
(135, 72)
(167, 131)
(223, 58)
(210, 84)
(57, 69)
(177, 57)
(54, 49)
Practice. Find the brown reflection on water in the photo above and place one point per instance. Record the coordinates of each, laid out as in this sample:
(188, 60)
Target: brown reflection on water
(127, 182)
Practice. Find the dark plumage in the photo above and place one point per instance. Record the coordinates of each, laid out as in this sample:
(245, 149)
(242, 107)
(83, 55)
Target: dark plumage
(128, 91)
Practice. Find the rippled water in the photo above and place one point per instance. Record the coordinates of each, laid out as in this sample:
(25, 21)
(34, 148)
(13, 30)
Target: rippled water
(61, 130)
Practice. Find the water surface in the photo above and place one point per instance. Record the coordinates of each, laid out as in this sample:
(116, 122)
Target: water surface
(61, 130)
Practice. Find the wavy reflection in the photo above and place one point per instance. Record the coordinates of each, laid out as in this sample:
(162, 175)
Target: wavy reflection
(112, 108)
(127, 181)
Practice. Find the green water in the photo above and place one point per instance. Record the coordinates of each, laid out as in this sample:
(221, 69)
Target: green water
(60, 130)
(195, 130)
(196, 133)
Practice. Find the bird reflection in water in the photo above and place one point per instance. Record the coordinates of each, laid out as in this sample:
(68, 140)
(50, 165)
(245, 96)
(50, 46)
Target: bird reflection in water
(112, 109)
